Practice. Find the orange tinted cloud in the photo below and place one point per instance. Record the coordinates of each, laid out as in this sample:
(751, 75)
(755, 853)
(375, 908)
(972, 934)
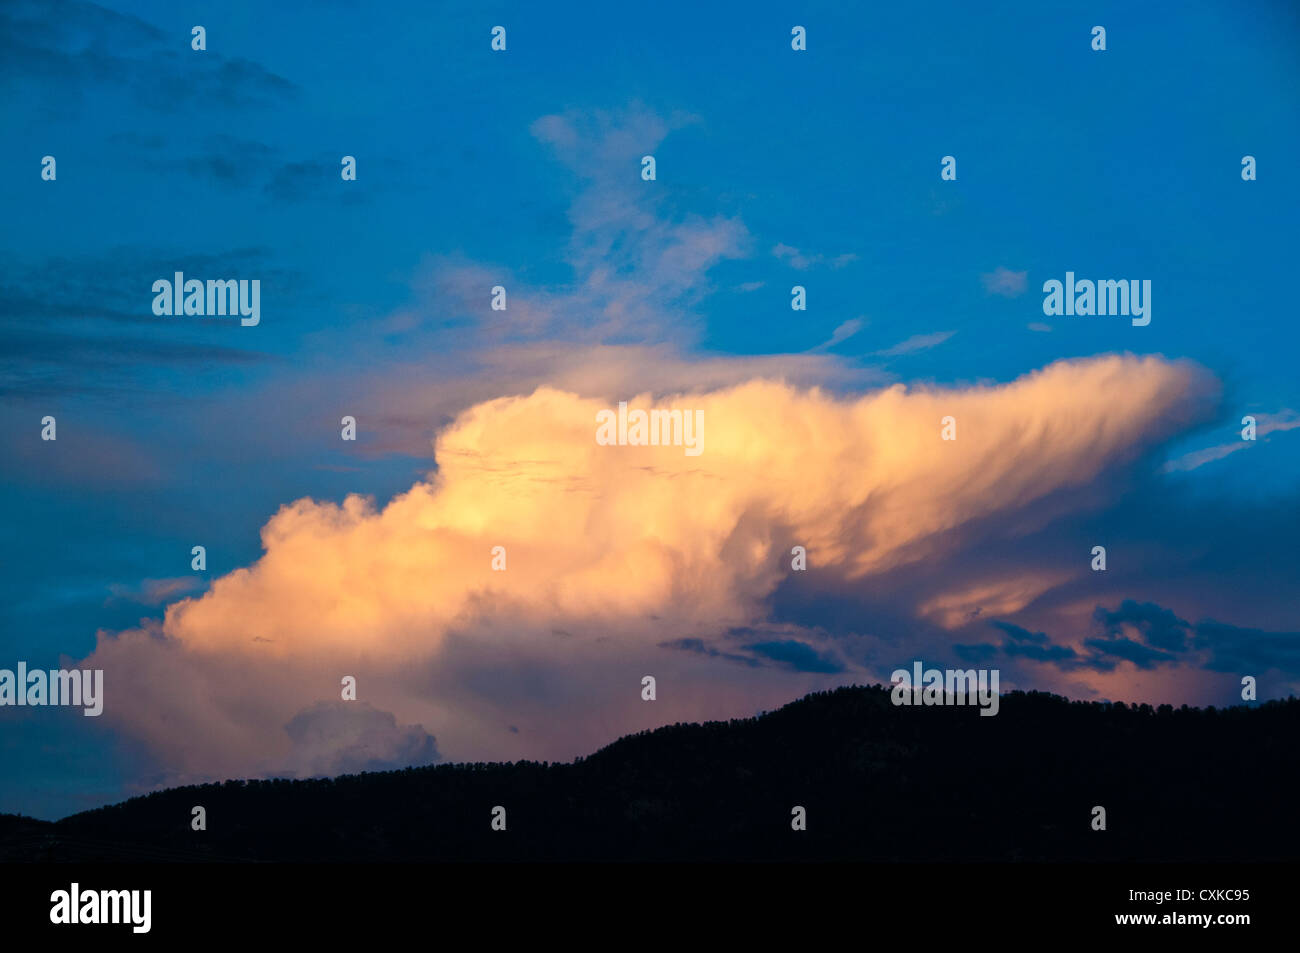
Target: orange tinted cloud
(632, 544)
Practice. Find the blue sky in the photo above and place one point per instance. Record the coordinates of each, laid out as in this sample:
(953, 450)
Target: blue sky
(818, 168)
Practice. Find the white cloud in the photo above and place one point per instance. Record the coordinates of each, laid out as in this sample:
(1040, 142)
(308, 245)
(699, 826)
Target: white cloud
(841, 333)
(1004, 282)
(917, 342)
(1266, 424)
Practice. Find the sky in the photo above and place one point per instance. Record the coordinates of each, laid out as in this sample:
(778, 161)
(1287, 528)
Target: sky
(774, 168)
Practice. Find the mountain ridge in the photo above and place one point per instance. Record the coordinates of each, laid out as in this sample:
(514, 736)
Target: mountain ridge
(877, 781)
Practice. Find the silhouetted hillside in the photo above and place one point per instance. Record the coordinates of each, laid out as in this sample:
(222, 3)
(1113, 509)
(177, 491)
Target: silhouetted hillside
(879, 782)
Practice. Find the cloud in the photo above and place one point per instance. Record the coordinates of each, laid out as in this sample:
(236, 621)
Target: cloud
(1266, 424)
(1003, 595)
(80, 456)
(1058, 654)
(85, 325)
(1021, 643)
(1241, 650)
(802, 262)
(975, 653)
(1149, 636)
(79, 49)
(888, 479)
(1126, 650)
(613, 548)
(606, 146)
(627, 322)
(796, 655)
(1004, 282)
(154, 592)
(333, 738)
(797, 259)
(841, 333)
(622, 560)
(917, 342)
(639, 269)
(1159, 627)
(700, 647)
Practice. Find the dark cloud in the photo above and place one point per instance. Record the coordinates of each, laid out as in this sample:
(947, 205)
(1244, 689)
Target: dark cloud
(1060, 655)
(1020, 635)
(1160, 628)
(700, 647)
(75, 49)
(85, 326)
(1124, 649)
(787, 653)
(319, 177)
(796, 655)
(1234, 649)
(1164, 638)
(1150, 635)
(225, 160)
(975, 653)
(239, 164)
(116, 285)
(1021, 643)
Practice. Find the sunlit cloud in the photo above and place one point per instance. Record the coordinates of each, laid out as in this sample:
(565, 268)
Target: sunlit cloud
(619, 548)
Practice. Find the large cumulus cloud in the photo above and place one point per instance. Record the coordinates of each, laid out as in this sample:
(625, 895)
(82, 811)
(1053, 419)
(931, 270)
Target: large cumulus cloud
(612, 553)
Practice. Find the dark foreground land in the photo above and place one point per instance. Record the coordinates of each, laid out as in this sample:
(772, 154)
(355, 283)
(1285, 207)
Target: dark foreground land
(878, 782)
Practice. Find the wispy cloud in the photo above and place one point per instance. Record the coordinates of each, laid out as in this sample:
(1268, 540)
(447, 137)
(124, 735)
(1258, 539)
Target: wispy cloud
(917, 342)
(842, 333)
(1266, 424)
(154, 592)
(802, 261)
(1004, 282)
